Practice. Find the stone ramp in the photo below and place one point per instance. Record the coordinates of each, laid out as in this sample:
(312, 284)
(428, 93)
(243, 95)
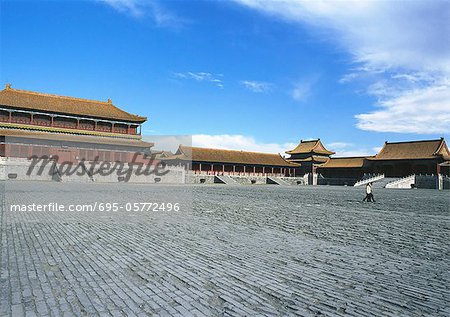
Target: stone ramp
(276, 181)
(224, 179)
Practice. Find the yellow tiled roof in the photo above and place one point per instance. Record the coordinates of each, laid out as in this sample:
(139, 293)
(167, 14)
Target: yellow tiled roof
(198, 154)
(311, 146)
(344, 162)
(427, 149)
(36, 101)
(313, 158)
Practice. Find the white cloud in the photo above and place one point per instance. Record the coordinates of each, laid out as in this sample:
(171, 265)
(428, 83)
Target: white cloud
(401, 47)
(338, 145)
(131, 7)
(348, 78)
(354, 152)
(202, 76)
(239, 142)
(248, 143)
(144, 8)
(257, 86)
(301, 92)
(303, 89)
(377, 149)
(344, 149)
(423, 110)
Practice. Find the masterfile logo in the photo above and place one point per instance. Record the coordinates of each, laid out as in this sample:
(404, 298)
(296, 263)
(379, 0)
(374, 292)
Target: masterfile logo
(124, 171)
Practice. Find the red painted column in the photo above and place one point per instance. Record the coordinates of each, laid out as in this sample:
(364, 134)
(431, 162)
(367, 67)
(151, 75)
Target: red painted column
(10, 116)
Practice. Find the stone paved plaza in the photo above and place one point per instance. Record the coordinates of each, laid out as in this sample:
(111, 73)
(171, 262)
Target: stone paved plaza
(239, 251)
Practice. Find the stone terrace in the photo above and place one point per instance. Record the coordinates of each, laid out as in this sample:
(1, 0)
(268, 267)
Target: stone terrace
(248, 250)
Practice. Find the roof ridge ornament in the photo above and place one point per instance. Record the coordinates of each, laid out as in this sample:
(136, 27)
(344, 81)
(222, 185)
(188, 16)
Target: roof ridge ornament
(109, 100)
(8, 86)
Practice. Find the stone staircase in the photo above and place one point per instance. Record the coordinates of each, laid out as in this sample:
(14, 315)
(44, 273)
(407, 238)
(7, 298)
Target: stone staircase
(366, 181)
(225, 179)
(404, 182)
(383, 182)
(276, 181)
(445, 182)
(378, 181)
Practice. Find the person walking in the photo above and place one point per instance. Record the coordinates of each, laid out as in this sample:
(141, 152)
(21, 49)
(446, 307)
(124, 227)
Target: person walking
(369, 193)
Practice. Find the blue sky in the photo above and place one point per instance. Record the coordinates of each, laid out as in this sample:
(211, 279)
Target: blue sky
(244, 74)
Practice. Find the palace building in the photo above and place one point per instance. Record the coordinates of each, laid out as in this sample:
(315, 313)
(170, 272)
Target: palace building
(395, 159)
(231, 162)
(67, 128)
(349, 167)
(399, 159)
(310, 154)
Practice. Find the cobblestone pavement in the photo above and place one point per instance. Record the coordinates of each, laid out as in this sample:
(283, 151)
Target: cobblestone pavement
(241, 251)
